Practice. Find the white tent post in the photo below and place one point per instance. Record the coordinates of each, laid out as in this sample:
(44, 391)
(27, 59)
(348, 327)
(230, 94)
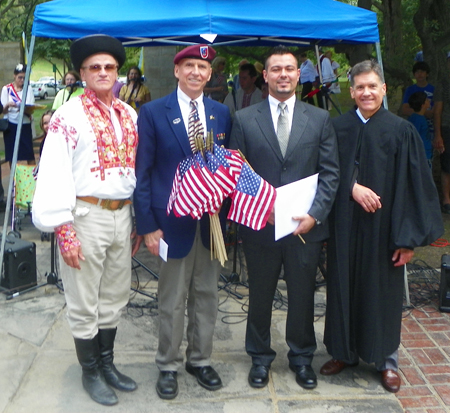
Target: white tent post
(14, 158)
(380, 62)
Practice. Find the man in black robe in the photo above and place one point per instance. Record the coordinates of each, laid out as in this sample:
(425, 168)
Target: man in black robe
(386, 205)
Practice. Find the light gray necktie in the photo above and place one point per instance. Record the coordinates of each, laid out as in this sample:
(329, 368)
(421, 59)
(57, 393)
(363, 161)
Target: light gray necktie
(283, 128)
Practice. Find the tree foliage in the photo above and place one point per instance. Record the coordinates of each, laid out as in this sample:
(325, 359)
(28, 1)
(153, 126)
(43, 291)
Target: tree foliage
(405, 28)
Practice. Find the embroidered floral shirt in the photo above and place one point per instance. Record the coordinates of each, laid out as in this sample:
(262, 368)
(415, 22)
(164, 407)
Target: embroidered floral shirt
(85, 154)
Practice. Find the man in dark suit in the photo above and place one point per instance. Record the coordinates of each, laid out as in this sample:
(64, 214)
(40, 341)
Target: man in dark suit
(189, 271)
(284, 144)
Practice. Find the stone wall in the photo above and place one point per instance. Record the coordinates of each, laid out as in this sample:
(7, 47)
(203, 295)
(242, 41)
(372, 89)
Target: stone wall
(10, 57)
(158, 68)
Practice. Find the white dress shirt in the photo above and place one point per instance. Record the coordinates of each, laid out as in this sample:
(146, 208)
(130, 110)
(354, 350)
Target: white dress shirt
(275, 110)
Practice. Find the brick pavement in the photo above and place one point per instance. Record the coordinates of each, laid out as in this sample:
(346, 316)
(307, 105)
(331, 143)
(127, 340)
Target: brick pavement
(425, 361)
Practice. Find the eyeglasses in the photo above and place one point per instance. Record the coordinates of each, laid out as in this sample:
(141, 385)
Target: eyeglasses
(98, 68)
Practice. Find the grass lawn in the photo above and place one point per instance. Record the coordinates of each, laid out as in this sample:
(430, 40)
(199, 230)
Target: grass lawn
(43, 68)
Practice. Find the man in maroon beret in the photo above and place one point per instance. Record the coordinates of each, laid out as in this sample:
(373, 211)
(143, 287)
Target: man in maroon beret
(189, 273)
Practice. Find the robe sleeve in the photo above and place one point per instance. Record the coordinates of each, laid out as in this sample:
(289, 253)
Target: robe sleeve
(416, 218)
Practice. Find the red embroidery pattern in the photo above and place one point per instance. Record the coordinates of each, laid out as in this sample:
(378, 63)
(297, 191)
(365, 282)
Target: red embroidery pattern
(69, 132)
(66, 237)
(107, 144)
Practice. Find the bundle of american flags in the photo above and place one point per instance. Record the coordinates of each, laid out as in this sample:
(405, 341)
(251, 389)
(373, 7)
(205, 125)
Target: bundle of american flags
(204, 180)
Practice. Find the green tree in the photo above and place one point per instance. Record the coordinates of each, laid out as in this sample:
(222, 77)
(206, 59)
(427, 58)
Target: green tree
(431, 21)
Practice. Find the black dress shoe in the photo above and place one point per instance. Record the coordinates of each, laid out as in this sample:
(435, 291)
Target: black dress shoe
(207, 377)
(304, 376)
(167, 385)
(258, 377)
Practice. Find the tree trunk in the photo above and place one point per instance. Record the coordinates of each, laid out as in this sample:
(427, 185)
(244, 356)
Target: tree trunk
(357, 53)
(432, 24)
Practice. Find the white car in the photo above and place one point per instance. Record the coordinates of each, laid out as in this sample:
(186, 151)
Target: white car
(44, 90)
(46, 79)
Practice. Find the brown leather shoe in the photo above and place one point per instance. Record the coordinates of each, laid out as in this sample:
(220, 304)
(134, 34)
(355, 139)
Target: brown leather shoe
(390, 380)
(334, 367)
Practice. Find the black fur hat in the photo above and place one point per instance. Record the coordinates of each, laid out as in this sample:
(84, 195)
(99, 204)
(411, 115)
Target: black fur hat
(87, 46)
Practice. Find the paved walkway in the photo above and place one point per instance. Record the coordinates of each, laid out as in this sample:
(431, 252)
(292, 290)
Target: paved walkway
(40, 373)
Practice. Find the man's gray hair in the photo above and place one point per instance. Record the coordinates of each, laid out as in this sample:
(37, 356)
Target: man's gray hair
(365, 67)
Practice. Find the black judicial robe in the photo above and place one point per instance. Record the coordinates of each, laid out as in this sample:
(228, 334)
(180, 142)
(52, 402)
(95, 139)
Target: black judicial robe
(364, 289)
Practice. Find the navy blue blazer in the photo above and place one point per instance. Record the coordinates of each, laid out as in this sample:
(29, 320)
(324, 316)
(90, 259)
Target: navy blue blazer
(163, 143)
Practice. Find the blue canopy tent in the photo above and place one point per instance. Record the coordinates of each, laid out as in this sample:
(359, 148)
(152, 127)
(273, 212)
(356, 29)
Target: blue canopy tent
(219, 22)
(245, 23)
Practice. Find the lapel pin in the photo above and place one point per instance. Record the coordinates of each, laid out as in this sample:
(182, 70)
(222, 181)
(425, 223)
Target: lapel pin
(177, 120)
(211, 117)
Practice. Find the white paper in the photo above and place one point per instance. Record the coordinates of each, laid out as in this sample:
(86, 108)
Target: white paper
(163, 249)
(293, 200)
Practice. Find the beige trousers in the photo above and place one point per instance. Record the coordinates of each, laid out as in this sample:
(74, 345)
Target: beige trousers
(96, 294)
(194, 277)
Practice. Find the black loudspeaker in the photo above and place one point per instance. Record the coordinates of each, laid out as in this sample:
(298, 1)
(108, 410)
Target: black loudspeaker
(444, 287)
(19, 264)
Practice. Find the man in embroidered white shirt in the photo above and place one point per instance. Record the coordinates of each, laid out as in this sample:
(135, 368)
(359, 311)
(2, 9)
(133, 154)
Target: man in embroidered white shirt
(86, 177)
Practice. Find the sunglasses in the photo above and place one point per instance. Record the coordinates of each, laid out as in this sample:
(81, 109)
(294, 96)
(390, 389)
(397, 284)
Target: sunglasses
(98, 68)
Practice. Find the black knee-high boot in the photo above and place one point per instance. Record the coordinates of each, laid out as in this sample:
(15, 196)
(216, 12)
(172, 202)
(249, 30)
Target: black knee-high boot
(113, 377)
(94, 382)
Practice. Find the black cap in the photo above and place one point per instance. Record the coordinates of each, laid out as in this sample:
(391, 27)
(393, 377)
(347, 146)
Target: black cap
(87, 46)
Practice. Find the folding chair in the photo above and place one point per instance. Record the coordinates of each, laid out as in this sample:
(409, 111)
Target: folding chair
(24, 186)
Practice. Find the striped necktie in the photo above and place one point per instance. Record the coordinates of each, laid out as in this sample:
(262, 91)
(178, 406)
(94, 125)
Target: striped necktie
(283, 128)
(195, 126)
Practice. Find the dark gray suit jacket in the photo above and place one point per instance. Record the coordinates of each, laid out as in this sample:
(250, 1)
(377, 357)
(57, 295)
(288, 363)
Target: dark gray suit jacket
(312, 149)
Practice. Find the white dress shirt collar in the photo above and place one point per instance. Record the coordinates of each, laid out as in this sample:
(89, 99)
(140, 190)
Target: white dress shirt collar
(275, 111)
(358, 112)
(184, 102)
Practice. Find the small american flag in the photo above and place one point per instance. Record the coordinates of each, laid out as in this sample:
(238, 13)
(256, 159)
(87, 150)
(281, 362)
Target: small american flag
(196, 191)
(183, 167)
(253, 199)
(221, 171)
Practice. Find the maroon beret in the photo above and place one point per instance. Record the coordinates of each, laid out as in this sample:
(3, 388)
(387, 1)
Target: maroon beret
(197, 51)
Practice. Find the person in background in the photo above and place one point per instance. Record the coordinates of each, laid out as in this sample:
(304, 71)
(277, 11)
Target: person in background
(44, 124)
(11, 98)
(386, 205)
(334, 88)
(135, 93)
(116, 88)
(327, 77)
(421, 71)
(2, 191)
(248, 94)
(73, 88)
(420, 103)
(217, 87)
(307, 77)
(236, 85)
(188, 279)
(85, 181)
(441, 140)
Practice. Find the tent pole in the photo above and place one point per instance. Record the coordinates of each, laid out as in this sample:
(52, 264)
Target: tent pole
(380, 62)
(14, 158)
